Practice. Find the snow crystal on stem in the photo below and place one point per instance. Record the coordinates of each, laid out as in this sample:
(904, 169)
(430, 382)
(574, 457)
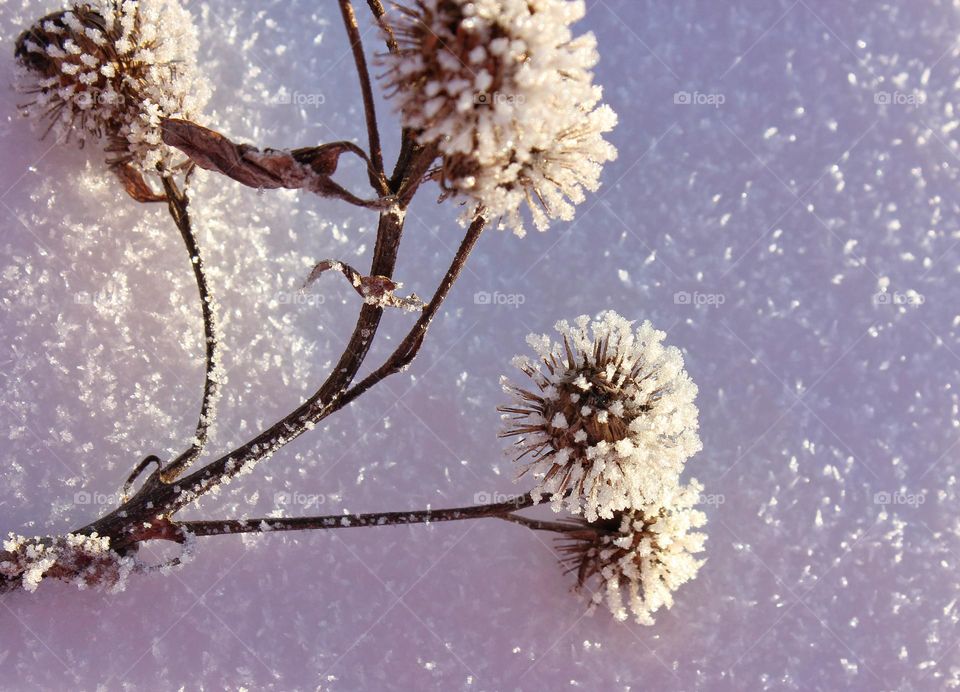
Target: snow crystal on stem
(86, 561)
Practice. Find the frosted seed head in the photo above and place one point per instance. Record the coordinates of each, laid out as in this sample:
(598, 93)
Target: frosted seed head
(505, 92)
(610, 399)
(105, 71)
(637, 558)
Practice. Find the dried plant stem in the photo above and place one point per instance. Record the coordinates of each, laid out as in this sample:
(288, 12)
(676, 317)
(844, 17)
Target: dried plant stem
(404, 354)
(342, 521)
(408, 145)
(540, 525)
(378, 181)
(379, 13)
(177, 202)
(336, 391)
(156, 499)
(147, 514)
(325, 400)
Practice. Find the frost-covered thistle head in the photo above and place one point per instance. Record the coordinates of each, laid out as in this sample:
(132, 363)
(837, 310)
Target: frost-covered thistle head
(638, 558)
(610, 419)
(112, 69)
(506, 93)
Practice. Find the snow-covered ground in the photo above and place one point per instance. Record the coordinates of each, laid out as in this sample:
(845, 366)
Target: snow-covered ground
(784, 205)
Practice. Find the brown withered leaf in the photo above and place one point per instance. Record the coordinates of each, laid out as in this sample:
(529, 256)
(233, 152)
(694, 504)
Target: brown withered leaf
(308, 168)
(135, 185)
(375, 290)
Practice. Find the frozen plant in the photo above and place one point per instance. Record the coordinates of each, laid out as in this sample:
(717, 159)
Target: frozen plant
(87, 560)
(607, 420)
(500, 108)
(112, 70)
(505, 93)
(639, 557)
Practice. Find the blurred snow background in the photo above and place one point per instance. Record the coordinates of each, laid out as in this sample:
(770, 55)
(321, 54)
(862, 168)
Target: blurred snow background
(784, 205)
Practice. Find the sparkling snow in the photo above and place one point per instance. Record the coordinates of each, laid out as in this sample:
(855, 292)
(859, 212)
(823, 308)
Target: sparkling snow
(784, 205)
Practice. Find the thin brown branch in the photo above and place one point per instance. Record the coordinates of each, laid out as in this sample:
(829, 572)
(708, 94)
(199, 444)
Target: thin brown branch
(325, 400)
(138, 471)
(540, 525)
(177, 203)
(379, 180)
(404, 354)
(336, 391)
(380, 13)
(156, 498)
(408, 145)
(342, 521)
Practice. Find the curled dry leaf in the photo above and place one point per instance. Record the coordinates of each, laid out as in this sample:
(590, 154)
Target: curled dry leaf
(309, 168)
(375, 290)
(135, 185)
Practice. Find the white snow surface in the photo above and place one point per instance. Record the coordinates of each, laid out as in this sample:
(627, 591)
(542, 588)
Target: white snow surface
(784, 206)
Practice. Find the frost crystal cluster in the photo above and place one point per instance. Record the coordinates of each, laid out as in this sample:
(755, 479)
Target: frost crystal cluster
(505, 92)
(111, 70)
(85, 560)
(610, 419)
(641, 557)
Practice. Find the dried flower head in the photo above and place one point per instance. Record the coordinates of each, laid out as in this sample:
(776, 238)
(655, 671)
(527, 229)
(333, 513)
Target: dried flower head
(506, 93)
(611, 419)
(111, 70)
(641, 556)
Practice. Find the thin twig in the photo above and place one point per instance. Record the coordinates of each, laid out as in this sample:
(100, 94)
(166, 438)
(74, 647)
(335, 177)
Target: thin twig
(408, 143)
(404, 354)
(138, 470)
(342, 521)
(379, 13)
(540, 525)
(379, 181)
(314, 410)
(323, 402)
(177, 203)
(333, 395)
